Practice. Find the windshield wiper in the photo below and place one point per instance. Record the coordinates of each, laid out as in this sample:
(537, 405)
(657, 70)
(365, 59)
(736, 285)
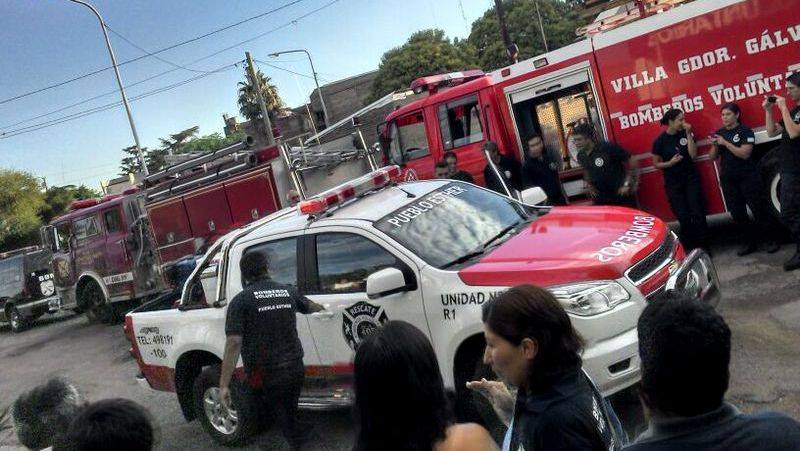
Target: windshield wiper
(501, 234)
(462, 259)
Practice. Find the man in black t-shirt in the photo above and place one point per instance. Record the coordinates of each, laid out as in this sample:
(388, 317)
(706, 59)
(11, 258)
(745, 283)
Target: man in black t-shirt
(541, 170)
(453, 172)
(608, 180)
(789, 154)
(262, 324)
(508, 168)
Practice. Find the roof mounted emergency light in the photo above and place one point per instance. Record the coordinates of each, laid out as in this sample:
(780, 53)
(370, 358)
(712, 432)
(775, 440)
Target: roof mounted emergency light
(351, 190)
(434, 82)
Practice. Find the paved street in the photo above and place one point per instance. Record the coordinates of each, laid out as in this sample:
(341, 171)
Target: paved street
(761, 303)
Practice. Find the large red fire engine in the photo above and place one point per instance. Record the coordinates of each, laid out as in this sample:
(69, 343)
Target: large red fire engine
(696, 56)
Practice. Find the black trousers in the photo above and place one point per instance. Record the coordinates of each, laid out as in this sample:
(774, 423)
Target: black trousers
(747, 190)
(612, 198)
(278, 398)
(790, 204)
(686, 201)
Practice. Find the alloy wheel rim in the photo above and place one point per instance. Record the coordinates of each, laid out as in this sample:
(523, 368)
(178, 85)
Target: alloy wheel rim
(223, 420)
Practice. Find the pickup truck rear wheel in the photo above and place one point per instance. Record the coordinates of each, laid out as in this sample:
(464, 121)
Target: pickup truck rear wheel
(229, 428)
(15, 318)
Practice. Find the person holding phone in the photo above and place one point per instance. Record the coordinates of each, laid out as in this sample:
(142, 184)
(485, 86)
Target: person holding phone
(740, 179)
(673, 153)
(789, 153)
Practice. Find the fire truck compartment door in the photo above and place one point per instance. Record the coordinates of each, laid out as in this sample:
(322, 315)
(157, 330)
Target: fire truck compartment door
(537, 88)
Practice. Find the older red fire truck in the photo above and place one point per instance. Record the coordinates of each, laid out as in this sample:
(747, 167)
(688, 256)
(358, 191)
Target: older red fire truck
(695, 56)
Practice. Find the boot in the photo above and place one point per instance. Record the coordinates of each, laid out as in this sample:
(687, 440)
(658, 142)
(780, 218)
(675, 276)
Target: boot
(748, 249)
(794, 262)
(772, 246)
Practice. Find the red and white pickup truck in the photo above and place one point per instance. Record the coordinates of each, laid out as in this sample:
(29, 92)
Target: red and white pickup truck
(426, 252)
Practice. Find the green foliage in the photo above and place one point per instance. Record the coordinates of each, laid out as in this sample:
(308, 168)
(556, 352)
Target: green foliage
(560, 20)
(210, 143)
(175, 142)
(248, 98)
(426, 52)
(130, 163)
(21, 199)
(58, 198)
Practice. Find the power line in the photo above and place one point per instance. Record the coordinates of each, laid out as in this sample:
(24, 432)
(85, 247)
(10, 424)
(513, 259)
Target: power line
(288, 70)
(108, 106)
(148, 53)
(81, 102)
(164, 49)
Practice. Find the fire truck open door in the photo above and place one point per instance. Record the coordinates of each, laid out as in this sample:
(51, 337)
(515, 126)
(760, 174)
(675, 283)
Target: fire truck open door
(550, 106)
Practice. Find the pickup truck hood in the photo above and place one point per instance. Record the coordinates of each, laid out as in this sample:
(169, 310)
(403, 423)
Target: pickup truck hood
(570, 244)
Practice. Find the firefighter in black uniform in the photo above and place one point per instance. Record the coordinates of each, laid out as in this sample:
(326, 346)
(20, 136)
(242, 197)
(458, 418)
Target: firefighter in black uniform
(507, 167)
(262, 324)
(541, 170)
(789, 127)
(673, 153)
(740, 179)
(453, 172)
(608, 180)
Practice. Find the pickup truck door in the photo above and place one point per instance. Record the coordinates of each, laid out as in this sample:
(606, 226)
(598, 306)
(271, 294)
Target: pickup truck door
(285, 257)
(339, 261)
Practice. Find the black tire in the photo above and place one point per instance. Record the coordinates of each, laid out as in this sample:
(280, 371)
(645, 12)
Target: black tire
(15, 319)
(94, 303)
(471, 406)
(246, 424)
(771, 176)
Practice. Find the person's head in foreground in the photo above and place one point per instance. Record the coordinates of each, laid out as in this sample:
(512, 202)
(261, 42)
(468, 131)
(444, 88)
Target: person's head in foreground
(42, 414)
(441, 170)
(530, 341)
(685, 351)
(400, 398)
(111, 424)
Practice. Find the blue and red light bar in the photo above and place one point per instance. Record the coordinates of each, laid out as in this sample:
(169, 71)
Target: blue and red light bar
(341, 194)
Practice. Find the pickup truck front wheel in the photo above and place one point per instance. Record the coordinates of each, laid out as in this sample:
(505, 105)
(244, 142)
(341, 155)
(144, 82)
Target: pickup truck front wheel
(226, 427)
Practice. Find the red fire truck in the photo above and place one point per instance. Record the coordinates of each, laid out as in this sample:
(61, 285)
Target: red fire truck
(695, 56)
(112, 252)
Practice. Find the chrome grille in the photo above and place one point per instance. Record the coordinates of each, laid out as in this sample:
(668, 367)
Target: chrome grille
(642, 270)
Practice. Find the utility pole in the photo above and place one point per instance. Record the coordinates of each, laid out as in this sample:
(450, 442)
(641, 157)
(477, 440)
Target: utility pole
(541, 27)
(316, 81)
(511, 48)
(261, 103)
(121, 87)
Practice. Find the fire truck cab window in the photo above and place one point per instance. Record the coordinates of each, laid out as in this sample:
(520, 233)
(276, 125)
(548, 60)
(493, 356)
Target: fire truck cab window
(408, 138)
(86, 227)
(460, 122)
(282, 258)
(63, 232)
(344, 261)
(112, 221)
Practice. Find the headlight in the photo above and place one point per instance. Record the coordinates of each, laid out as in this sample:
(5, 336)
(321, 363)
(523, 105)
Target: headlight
(590, 298)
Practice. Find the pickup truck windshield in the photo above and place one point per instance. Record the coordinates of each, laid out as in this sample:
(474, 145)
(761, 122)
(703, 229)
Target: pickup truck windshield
(453, 223)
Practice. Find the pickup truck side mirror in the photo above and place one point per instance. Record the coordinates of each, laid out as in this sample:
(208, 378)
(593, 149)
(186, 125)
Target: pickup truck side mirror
(533, 196)
(386, 282)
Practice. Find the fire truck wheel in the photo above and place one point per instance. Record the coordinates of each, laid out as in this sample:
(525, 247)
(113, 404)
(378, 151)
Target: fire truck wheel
(771, 175)
(17, 321)
(469, 405)
(226, 427)
(96, 307)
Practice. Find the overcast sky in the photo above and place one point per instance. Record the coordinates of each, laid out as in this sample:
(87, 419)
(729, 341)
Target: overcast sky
(49, 41)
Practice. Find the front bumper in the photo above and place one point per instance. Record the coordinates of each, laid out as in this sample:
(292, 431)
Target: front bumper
(698, 277)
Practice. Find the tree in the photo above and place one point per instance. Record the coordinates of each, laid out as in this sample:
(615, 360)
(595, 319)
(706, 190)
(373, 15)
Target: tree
(426, 52)
(560, 20)
(210, 143)
(131, 165)
(21, 199)
(174, 143)
(58, 198)
(248, 99)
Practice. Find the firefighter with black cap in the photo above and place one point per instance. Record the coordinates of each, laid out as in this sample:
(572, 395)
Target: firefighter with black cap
(608, 179)
(789, 128)
(262, 325)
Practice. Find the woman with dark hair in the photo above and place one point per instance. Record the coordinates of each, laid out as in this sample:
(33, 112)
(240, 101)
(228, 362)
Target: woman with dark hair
(741, 180)
(400, 399)
(531, 344)
(789, 155)
(673, 153)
